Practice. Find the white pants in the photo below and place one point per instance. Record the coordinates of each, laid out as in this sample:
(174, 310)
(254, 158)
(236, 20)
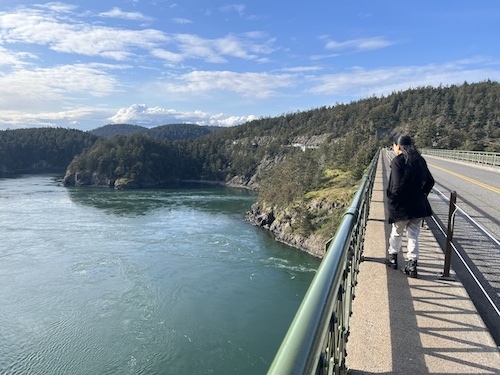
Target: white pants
(396, 238)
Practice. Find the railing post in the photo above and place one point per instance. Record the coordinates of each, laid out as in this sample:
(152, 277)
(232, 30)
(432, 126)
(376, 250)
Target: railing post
(449, 237)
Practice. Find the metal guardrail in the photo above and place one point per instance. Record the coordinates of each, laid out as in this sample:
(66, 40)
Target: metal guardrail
(316, 340)
(479, 157)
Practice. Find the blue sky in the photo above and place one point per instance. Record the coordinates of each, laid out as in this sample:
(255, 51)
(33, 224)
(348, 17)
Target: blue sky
(83, 64)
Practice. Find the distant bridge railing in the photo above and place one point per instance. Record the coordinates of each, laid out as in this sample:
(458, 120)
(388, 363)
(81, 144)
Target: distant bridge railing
(479, 157)
(316, 340)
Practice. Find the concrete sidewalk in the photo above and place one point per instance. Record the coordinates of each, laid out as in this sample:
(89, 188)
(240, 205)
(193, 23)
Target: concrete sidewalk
(402, 325)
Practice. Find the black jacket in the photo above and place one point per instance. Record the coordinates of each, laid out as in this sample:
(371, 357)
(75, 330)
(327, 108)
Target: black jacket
(409, 185)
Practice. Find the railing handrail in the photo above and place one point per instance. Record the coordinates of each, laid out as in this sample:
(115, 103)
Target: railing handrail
(479, 157)
(315, 341)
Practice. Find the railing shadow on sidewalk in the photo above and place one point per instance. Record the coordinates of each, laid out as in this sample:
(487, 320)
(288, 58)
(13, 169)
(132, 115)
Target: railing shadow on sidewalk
(438, 330)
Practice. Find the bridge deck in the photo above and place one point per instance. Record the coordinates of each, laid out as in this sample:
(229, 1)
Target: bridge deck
(402, 325)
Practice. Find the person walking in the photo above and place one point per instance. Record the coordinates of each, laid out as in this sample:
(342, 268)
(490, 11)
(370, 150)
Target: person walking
(410, 182)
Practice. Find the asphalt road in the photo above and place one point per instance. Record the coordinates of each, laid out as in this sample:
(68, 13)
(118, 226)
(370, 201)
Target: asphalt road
(477, 187)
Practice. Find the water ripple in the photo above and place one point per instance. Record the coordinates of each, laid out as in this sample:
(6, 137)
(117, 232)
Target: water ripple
(140, 282)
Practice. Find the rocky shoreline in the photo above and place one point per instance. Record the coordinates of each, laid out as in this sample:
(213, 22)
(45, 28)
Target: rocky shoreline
(280, 226)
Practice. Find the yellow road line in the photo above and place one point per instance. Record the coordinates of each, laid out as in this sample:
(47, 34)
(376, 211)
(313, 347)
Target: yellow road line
(486, 186)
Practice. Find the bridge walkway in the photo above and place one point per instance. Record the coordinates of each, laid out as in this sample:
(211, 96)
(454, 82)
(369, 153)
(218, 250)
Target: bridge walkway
(402, 325)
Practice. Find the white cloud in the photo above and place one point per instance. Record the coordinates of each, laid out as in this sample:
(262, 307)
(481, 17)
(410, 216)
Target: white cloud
(118, 13)
(233, 120)
(238, 8)
(193, 46)
(61, 33)
(182, 21)
(38, 87)
(58, 7)
(359, 44)
(216, 51)
(231, 46)
(66, 118)
(167, 55)
(107, 42)
(248, 85)
(144, 115)
(13, 59)
(30, 26)
(298, 69)
(360, 82)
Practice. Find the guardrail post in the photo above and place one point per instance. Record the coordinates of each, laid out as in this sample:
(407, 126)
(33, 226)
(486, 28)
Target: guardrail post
(449, 237)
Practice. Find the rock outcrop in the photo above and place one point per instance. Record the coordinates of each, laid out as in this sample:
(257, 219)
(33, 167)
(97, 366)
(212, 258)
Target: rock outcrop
(281, 225)
(94, 179)
(87, 179)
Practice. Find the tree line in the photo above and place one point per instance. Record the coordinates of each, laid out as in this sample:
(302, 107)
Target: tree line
(170, 132)
(305, 165)
(24, 150)
(344, 135)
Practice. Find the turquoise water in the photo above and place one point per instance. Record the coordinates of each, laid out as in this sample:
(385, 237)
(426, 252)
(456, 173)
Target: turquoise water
(96, 281)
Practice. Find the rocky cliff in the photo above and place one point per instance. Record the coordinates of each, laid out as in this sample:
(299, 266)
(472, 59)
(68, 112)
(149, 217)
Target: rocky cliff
(93, 179)
(281, 229)
(287, 224)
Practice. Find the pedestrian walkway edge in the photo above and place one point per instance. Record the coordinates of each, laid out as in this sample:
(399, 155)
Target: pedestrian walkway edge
(402, 325)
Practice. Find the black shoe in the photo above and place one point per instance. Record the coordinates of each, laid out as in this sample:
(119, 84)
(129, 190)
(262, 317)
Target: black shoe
(392, 261)
(411, 268)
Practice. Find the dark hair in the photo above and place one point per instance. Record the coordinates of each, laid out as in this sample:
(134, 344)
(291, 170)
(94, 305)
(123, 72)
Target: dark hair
(407, 148)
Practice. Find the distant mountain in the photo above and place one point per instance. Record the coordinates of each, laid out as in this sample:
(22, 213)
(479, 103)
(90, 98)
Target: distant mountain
(108, 131)
(171, 132)
(39, 149)
(178, 132)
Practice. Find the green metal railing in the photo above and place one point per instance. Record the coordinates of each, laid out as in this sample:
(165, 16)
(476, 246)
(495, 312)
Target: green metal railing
(479, 157)
(316, 340)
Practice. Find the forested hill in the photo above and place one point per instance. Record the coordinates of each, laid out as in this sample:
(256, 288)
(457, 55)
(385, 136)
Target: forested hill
(110, 130)
(171, 132)
(456, 117)
(24, 150)
(38, 149)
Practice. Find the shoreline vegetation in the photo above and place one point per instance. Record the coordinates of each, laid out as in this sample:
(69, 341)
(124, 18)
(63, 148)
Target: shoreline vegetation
(304, 166)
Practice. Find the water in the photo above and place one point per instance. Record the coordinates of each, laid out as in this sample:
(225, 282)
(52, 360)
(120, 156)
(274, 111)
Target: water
(95, 281)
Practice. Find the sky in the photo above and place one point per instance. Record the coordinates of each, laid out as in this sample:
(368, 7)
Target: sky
(84, 64)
